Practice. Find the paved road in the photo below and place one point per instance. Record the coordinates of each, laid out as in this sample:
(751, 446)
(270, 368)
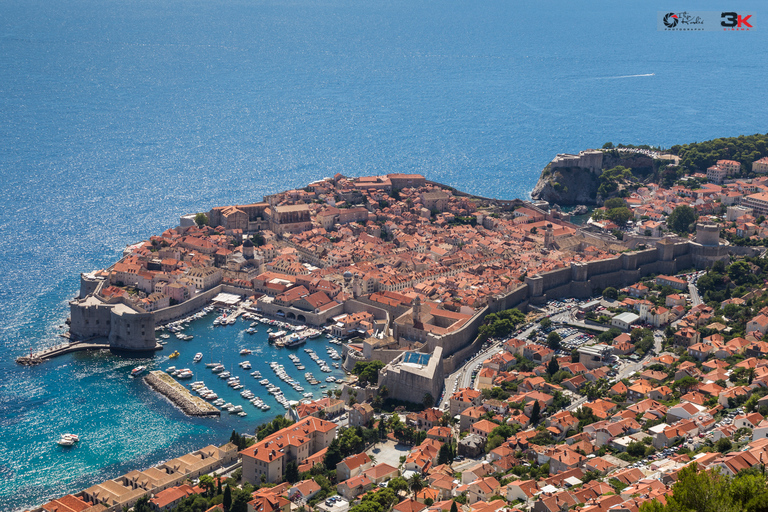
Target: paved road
(464, 373)
(694, 293)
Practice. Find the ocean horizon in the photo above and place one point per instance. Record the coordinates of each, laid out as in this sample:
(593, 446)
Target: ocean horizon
(116, 118)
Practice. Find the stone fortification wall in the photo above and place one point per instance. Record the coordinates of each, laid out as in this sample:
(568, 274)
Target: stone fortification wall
(394, 312)
(357, 305)
(88, 285)
(517, 298)
(411, 384)
(458, 339)
(132, 330)
(115, 319)
(451, 363)
(179, 311)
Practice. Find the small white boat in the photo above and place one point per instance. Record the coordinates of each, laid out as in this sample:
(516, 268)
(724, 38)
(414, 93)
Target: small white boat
(138, 370)
(245, 352)
(68, 439)
(198, 357)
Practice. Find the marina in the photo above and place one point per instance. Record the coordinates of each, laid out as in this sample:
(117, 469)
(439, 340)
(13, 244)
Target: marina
(267, 358)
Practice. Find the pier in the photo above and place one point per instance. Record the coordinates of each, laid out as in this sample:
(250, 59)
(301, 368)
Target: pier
(58, 350)
(179, 395)
(66, 348)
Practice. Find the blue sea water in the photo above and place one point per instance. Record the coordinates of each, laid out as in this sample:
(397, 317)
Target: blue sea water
(117, 117)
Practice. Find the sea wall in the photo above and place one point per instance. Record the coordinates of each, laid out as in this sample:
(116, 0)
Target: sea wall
(179, 395)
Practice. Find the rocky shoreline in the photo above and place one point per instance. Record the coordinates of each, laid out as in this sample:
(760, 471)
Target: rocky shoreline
(179, 395)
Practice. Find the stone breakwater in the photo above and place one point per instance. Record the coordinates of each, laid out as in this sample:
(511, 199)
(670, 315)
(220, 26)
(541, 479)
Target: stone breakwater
(179, 395)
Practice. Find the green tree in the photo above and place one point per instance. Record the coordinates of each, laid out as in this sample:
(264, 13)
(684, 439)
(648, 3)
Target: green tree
(367, 372)
(636, 449)
(240, 499)
(227, 498)
(428, 401)
(681, 219)
(207, 483)
(553, 340)
(535, 413)
(454, 507)
(611, 293)
(723, 445)
(699, 491)
(142, 504)
(201, 220)
(291, 472)
(614, 202)
(685, 384)
(398, 484)
(444, 456)
(553, 366)
(333, 454)
(416, 483)
(619, 215)
(267, 429)
(546, 322)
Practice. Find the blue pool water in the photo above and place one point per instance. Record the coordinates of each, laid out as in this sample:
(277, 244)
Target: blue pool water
(118, 117)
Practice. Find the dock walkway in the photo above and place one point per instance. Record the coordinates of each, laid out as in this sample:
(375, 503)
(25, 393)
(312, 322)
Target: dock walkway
(64, 348)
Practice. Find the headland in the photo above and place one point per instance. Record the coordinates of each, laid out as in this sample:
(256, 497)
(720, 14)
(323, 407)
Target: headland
(399, 264)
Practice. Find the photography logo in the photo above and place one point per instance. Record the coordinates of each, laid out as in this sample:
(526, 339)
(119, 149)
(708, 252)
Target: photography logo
(670, 20)
(704, 21)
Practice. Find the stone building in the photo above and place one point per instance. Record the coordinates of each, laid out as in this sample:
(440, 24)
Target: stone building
(412, 375)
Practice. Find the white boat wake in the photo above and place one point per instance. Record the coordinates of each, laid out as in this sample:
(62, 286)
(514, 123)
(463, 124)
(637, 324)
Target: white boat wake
(623, 76)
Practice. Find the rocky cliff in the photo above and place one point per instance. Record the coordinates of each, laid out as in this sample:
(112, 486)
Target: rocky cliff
(569, 186)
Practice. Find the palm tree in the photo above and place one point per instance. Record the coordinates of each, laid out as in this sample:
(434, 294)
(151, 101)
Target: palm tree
(416, 483)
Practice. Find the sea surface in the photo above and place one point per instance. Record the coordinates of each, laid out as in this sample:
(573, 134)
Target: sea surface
(118, 117)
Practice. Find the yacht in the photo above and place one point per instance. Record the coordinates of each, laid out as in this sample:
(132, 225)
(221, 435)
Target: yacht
(138, 370)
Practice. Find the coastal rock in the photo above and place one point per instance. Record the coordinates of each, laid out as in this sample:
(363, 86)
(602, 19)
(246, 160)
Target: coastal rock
(580, 210)
(571, 186)
(567, 186)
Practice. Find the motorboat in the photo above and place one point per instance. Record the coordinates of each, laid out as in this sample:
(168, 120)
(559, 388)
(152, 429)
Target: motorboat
(68, 439)
(175, 353)
(245, 352)
(198, 357)
(138, 370)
